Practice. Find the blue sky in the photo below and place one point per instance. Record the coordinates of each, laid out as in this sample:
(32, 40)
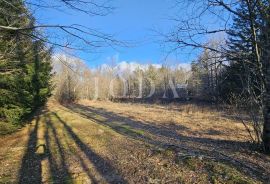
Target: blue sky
(132, 20)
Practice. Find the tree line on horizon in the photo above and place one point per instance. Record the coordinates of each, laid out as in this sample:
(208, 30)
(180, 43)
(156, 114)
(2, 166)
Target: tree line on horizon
(77, 81)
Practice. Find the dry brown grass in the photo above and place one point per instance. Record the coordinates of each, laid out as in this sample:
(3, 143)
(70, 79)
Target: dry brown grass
(201, 121)
(105, 142)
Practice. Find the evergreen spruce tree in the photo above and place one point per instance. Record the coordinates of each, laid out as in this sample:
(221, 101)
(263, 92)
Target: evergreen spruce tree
(248, 73)
(242, 76)
(24, 65)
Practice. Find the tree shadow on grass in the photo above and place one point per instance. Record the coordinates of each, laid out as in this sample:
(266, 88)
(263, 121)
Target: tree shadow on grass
(36, 152)
(104, 168)
(220, 150)
(59, 172)
(57, 155)
(30, 171)
(169, 132)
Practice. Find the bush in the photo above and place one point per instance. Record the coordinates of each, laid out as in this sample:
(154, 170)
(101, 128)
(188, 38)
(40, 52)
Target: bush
(13, 113)
(7, 128)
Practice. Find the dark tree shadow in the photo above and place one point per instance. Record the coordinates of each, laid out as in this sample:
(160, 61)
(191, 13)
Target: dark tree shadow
(56, 154)
(30, 171)
(168, 132)
(59, 173)
(105, 169)
(220, 150)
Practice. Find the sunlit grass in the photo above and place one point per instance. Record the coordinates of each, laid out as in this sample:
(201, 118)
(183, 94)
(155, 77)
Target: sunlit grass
(75, 146)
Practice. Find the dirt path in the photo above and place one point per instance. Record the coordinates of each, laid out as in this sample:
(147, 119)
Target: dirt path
(120, 143)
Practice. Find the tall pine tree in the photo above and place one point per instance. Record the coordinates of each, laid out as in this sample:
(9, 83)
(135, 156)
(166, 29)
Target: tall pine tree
(24, 64)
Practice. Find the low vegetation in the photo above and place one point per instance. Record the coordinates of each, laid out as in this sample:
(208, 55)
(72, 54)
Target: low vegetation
(106, 142)
(8, 128)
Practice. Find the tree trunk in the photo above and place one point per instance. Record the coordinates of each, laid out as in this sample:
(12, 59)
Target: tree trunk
(266, 108)
(266, 128)
(266, 64)
(266, 113)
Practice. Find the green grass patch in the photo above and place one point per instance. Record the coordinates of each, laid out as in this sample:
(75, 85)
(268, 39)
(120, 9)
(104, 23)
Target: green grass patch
(192, 163)
(221, 172)
(127, 130)
(8, 128)
(6, 179)
(217, 172)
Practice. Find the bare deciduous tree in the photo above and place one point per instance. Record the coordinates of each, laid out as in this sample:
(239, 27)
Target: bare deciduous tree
(194, 26)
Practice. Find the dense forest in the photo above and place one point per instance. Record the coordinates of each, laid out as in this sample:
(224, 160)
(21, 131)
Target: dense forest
(25, 65)
(231, 71)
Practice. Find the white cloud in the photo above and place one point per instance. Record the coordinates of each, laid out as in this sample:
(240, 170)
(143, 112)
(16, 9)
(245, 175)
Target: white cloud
(132, 66)
(119, 68)
(185, 66)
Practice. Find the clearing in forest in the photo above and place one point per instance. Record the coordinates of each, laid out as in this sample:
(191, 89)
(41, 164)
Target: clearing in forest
(105, 142)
